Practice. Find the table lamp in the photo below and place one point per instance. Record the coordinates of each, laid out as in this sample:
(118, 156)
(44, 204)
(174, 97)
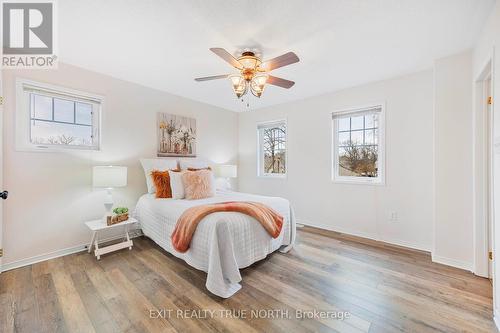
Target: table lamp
(226, 171)
(109, 177)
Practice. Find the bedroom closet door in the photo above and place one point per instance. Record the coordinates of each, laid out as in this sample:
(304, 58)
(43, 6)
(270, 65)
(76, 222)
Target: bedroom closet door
(489, 173)
(3, 193)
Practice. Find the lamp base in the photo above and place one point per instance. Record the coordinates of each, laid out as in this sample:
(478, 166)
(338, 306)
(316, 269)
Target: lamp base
(108, 204)
(223, 183)
(228, 183)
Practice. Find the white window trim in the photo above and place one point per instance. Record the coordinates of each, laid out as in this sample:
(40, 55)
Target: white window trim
(260, 157)
(22, 117)
(380, 180)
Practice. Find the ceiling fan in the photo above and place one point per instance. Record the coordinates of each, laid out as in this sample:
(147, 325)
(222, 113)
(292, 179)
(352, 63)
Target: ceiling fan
(254, 73)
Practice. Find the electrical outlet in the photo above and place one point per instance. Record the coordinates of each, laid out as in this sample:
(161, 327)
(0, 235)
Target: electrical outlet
(393, 217)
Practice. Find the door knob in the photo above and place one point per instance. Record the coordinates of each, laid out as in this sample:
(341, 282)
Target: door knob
(4, 195)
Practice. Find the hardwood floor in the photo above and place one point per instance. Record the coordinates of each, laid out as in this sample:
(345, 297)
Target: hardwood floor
(384, 288)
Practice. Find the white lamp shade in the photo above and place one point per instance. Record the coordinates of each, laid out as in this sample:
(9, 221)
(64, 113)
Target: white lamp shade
(226, 171)
(109, 176)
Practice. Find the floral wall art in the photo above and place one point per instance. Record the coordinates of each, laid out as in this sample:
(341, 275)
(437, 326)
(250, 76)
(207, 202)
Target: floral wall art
(176, 135)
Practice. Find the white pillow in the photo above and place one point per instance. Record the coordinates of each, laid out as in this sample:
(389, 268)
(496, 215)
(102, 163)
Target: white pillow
(194, 163)
(150, 164)
(176, 185)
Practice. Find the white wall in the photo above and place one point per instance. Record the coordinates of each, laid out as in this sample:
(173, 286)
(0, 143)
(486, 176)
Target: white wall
(51, 194)
(357, 209)
(453, 232)
(489, 46)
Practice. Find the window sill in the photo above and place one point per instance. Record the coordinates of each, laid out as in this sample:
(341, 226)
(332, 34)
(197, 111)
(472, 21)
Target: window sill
(348, 181)
(54, 149)
(273, 176)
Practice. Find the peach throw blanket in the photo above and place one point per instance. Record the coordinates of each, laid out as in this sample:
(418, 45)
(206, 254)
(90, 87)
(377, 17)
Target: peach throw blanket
(187, 223)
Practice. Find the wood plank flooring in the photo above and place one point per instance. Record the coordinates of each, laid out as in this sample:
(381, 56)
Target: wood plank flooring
(384, 288)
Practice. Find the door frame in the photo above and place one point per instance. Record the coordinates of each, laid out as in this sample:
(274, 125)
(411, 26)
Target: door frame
(483, 156)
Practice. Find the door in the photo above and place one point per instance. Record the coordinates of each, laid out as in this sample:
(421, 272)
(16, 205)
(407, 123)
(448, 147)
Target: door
(489, 171)
(1, 166)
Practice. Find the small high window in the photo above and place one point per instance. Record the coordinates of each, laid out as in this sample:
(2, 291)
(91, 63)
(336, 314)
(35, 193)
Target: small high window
(57, 118)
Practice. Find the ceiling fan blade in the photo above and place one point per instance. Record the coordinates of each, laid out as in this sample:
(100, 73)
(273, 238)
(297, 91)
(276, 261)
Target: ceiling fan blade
(283, 60)
(208, 78)
(227, 57)
(277, 81)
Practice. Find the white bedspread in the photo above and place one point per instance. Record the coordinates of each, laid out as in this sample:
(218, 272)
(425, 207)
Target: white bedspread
(223, 242)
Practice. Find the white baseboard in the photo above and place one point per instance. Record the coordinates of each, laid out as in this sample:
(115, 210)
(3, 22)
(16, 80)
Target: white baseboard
(367, 235)
(438, 259)
(452, 262)
(496, 318)
(59, 253)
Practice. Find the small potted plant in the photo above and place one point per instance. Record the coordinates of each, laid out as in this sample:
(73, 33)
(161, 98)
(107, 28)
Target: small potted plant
(121, 215)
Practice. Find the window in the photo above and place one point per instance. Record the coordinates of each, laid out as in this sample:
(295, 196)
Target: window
(358, 154)
(272, 149)
(56, 118)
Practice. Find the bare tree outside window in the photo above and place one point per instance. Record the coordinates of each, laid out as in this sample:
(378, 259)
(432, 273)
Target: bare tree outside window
(273, 148)
(358, 151)
(360, 161)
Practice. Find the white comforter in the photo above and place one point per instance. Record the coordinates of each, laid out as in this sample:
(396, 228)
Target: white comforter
(223, 242)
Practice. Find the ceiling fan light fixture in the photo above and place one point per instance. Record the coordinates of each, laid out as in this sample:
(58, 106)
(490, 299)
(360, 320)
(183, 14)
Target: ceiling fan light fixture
(238, 84)
(253, 72)
(258, 84)
(249, 61)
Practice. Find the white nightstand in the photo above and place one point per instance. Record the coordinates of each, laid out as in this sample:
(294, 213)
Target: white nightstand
(100, 225)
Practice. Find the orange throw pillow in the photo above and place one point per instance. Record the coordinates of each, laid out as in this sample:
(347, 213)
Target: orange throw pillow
(161, 179)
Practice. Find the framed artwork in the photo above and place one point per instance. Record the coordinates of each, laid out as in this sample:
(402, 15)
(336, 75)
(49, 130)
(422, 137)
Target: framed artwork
(176, 135)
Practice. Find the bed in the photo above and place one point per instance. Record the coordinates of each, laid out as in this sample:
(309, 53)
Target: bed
(224, 242)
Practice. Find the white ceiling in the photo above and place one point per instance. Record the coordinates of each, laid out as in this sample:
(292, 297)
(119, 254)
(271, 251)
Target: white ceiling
(341, 43)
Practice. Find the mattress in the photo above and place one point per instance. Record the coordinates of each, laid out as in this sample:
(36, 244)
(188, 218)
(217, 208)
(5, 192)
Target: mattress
(224, 242)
